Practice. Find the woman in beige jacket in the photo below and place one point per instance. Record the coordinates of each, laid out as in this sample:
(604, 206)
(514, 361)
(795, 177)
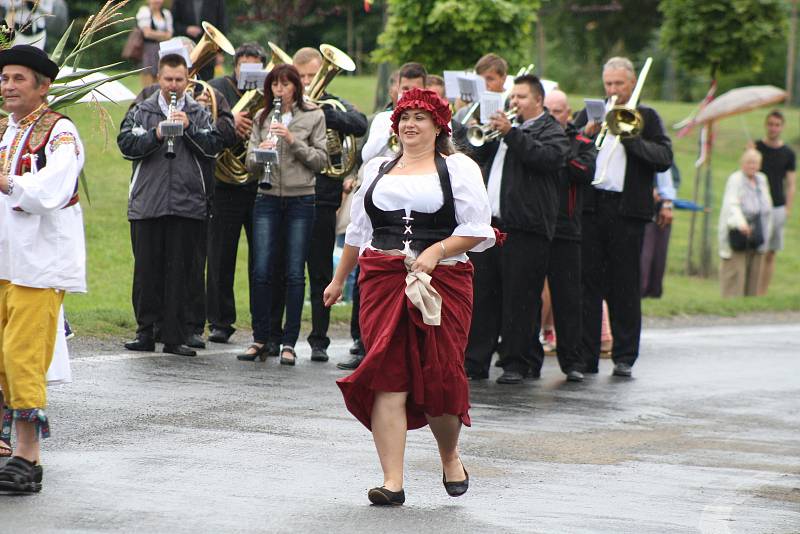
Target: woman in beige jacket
(747, 209)
(285, 210)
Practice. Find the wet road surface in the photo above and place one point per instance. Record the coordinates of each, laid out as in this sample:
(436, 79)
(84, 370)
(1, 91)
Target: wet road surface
(704, 438)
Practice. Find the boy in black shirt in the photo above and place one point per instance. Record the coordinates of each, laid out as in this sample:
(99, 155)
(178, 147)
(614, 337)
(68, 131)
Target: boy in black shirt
(778, 163)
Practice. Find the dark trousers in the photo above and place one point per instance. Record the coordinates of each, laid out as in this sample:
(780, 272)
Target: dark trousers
(654, 259)
(355, 326)
(164, 251)
(232, 211)
(612, 246)
(195, 310)
(564, 277)
(507, 302)
(275, 219)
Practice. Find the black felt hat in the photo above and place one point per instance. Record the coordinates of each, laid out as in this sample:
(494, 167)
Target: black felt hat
(31, 57)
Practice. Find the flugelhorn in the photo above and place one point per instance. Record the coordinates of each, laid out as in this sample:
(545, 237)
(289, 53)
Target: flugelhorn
(341, 151)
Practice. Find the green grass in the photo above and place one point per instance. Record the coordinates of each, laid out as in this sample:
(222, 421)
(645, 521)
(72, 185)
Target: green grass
(106, 310)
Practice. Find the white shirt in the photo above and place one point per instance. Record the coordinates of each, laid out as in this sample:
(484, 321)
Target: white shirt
(144, 19)
(496, 172)
(43, 245)
(423, 193)
(611, 161)
(377, 144)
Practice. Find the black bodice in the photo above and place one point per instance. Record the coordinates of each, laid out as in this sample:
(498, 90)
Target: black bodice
(393, 229)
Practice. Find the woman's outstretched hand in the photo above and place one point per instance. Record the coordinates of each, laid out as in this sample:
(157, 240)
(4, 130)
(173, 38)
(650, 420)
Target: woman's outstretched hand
(332, 294)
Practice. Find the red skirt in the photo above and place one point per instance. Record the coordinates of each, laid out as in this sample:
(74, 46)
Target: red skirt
(405, 354)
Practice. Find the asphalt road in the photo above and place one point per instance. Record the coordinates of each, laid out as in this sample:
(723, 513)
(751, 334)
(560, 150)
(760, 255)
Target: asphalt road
(705, 438)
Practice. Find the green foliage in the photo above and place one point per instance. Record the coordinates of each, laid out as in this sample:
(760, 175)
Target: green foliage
(449, 34)
(721, 35)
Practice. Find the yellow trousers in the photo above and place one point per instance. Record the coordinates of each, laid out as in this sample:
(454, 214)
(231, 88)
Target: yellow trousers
(28, 322)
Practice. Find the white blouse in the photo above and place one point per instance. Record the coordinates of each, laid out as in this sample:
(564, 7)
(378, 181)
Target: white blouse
(423, 193)
(144, 19)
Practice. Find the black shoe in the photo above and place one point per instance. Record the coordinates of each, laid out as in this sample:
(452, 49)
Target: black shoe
(19, 475)
(288, 350)
(258, 352)
(510, 377)
(533, 375)
(196, 342)
(459, 488)
(384, 497)
(319, 355)
(350, 364)
(622, 369)
(273, 348)
(357, 348)
(218, 335)
(477, 375)
(574, 376)
(142, 344)
(180, 350)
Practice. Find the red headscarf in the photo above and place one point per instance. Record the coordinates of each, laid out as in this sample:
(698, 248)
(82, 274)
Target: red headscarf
(427, 100)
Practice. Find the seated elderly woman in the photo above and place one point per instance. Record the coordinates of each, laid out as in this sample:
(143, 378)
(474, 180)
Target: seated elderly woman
(744, 220)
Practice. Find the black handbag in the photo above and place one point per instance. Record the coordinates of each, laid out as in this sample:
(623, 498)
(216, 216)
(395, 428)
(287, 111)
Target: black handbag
(740, 242)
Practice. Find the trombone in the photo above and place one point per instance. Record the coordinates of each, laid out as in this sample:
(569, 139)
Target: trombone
(624, 121)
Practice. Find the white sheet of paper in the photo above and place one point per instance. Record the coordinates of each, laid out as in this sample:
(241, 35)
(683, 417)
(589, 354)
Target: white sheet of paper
(491, 103)
(251, 76)
(595, 109)
(451, 90)
(471, 87)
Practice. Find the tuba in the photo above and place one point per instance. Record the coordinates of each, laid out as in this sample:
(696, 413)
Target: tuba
(341, 151)
(231, 166)
(205, 51)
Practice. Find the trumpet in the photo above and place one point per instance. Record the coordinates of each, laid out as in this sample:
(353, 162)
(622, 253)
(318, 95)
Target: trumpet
(269, 156)
(170, 128)
(478, 135)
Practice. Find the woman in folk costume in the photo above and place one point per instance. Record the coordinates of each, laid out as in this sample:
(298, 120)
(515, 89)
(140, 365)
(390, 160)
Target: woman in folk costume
(412, 221)
(42, 253)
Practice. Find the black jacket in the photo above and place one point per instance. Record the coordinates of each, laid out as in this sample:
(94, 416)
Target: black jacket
(213, 11)
(576, 176)
(646, 154)
(531, 172)
(328, 190)
(161, 186)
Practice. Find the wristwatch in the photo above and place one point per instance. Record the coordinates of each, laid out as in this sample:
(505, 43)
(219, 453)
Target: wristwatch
(667, 204)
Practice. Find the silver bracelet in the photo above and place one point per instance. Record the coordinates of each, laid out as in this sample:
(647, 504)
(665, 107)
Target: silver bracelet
(10, 185)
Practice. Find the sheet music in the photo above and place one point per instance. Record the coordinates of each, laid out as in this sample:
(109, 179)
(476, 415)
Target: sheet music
(251, 76)
(491, 103)
(451, 87)
(471, 87)
(595, 109)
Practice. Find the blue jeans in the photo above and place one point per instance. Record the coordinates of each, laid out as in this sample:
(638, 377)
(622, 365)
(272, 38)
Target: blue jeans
(292, 219)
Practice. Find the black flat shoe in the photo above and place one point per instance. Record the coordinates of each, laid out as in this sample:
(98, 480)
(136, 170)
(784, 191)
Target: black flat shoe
(319, 355)
(180, 350)
(384, 497)
(288, 361)
(510, 377)
(219, 335)
(194, 341)
(351, 364)
(623, 370)
(357, 348)
(141, 344)
(459, 488)
(260, 353)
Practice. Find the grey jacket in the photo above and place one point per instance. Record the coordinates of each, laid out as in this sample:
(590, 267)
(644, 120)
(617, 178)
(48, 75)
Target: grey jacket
(298, 162)
(161, 186)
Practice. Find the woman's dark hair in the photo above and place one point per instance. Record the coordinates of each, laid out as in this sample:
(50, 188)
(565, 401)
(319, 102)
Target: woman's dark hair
(282, 73)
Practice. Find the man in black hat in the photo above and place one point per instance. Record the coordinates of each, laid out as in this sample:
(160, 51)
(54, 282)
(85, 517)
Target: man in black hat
(42, 253)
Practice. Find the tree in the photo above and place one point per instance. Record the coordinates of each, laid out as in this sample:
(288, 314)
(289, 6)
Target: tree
(452, 34)
(719, 36)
